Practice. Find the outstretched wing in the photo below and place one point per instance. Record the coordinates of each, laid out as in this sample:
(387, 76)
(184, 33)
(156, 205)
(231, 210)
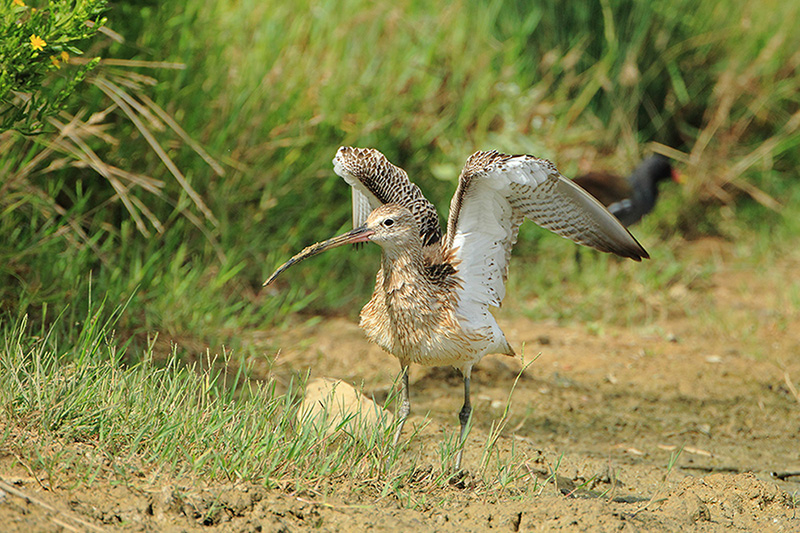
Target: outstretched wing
(375, 181)
(495, 193)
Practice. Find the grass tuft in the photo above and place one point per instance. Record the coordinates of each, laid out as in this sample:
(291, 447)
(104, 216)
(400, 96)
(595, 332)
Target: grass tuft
(193, 421)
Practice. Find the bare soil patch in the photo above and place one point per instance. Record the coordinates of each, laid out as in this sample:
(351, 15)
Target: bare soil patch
(602, 408)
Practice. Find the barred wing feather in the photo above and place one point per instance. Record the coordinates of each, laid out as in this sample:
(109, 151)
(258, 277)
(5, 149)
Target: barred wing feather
(375, 181)
(496, 192)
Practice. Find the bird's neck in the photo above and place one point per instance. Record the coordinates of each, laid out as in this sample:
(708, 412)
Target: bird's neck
(647, 177)
(400, 266)
(646, 186)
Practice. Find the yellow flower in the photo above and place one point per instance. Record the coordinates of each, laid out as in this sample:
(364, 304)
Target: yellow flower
(37, 43)
(65, 57)
(54, 61)
(19, 3)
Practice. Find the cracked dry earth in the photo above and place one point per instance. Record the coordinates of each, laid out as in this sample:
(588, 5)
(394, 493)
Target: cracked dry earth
(603, 409)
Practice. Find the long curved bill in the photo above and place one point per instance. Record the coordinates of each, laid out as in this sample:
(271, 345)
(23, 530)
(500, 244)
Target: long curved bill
(360, 234)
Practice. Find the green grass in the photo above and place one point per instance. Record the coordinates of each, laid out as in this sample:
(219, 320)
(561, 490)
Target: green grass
(195, 422)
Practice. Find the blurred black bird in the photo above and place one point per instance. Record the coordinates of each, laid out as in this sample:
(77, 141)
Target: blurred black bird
(630, 199)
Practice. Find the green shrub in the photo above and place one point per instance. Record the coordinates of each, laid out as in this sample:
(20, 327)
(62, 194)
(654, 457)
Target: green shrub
(40, 63)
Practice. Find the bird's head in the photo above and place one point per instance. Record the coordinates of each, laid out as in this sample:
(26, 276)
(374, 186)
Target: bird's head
(659, 168)
(391, 226)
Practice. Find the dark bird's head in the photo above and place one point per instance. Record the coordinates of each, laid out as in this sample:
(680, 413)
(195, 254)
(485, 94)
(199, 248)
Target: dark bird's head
(653, 170)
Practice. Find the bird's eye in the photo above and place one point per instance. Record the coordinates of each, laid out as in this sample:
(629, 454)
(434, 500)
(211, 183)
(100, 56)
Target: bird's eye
(388, 222)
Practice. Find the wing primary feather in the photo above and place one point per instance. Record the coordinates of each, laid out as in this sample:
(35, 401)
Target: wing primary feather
(495, 193)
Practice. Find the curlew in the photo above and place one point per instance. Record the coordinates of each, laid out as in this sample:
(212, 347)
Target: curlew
(433, 293)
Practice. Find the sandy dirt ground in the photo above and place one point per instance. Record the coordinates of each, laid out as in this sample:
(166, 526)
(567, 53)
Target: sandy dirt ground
(594, 420)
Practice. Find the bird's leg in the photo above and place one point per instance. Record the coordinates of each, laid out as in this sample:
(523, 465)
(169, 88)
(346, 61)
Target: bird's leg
(463, 417)
(405, 407)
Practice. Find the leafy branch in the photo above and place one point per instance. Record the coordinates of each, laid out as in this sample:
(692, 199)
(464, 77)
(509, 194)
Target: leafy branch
(38, 71)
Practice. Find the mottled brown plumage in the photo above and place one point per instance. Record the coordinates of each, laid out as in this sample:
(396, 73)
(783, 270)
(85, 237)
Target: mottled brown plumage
(432, 297)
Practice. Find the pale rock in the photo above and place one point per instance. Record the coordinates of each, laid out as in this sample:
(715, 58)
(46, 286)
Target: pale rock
(341, 401)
